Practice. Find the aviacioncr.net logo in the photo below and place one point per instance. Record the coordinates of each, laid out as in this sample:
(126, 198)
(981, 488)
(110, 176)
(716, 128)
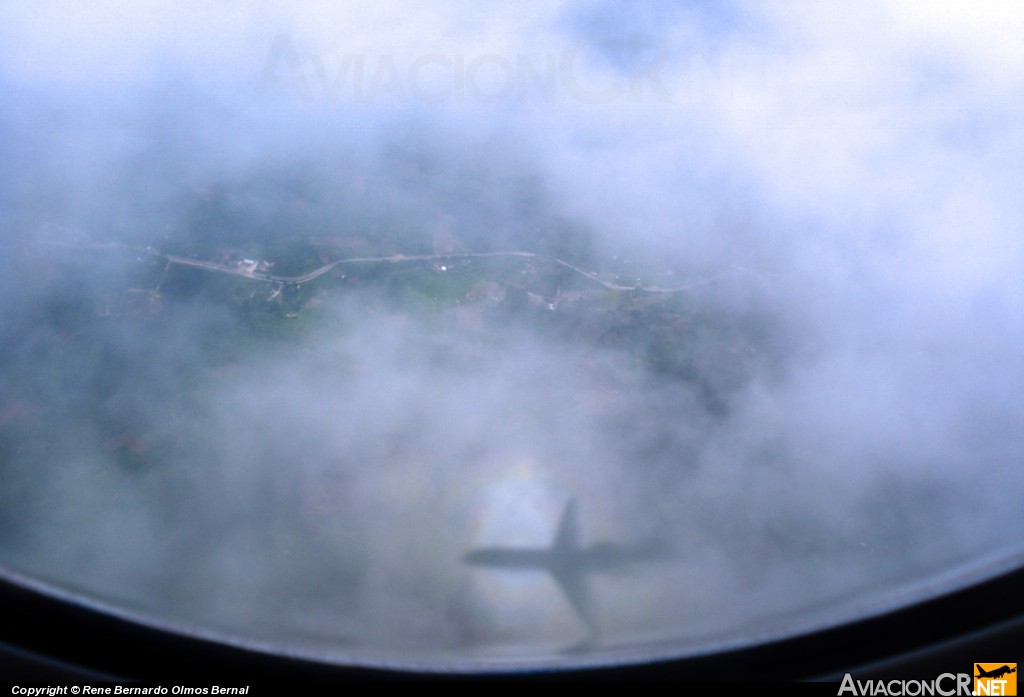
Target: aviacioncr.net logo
(946, 685)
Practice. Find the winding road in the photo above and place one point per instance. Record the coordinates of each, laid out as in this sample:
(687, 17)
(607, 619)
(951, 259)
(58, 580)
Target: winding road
(400, 258)
(394, 259)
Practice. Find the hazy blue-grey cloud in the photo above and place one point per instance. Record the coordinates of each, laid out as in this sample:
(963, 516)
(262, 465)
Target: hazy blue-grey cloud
(848, 424)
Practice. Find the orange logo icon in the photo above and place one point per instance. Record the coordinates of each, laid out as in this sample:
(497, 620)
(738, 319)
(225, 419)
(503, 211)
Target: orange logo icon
(995, 679)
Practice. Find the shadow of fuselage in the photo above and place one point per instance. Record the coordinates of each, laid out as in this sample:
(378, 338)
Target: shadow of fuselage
(568, 563)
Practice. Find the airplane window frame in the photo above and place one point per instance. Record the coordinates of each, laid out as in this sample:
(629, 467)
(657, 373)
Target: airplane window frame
(46, 636)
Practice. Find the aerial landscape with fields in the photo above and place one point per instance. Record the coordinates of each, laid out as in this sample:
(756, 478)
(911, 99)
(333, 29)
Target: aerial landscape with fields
(513, 338)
